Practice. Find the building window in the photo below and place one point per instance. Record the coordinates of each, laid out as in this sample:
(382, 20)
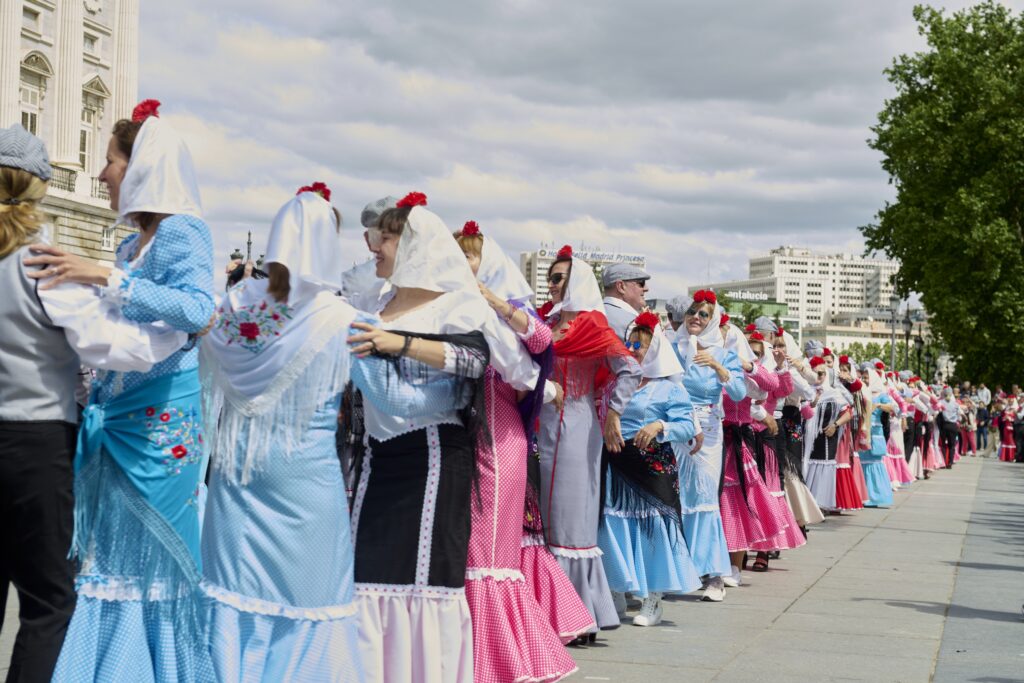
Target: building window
(107, 239)
(30, 99)
(91, 44)
(30, 19)
(85, 139)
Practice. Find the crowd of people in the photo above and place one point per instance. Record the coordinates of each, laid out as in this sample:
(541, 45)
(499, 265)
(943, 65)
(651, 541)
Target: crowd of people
(404, 471)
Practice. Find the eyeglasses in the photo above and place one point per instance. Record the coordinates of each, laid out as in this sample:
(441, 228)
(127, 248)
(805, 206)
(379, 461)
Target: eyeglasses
(821, 374)
(635, 346)
(702, 314)
(556, 278)
(639, 283)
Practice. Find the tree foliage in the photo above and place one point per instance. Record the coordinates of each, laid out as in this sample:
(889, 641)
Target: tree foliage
(952, 140)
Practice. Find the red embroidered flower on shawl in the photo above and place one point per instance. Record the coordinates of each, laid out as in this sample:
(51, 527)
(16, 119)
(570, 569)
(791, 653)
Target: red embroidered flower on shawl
(249, 330)
(179, 451)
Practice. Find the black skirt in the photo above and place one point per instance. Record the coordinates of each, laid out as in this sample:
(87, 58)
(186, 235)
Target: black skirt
(411, 513)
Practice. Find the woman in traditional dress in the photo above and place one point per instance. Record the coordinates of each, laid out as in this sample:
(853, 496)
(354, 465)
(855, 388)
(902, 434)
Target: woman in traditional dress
(749, 513)
(709, 370)
(141, 457)
(641, 532)
(1007, 445)
(821, 439)
(512, 637)
(875, 474)
(412, 505)
(848, 496)
(766, 429)
(275, 365)
(896, 461)
(588, 357)
(50, 329)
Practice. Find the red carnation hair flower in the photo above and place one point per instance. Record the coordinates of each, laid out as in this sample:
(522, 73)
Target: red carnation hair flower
(825, 351)
(144, 109)
(856, 386)
(705, 295)
(816, 361)
(750, 328)
(844, 360)
(648, 320)
(781, 331)
(564, 253)
(412, 199)
(757, 336)
(317, 188)
(880, 365)
(725, 320)
(470, 229)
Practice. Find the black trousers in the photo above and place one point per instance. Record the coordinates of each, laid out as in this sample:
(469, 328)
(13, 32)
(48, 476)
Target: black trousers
(36, 522)
(909, 438)
(947, 441)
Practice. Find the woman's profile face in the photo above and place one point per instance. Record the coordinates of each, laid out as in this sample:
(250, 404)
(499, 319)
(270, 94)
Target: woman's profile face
(113, 173)
(384, 246)
(697, 317)
(758, 349)
(558, 278)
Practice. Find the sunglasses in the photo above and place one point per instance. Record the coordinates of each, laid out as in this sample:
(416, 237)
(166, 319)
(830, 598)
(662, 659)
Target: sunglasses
(556, 279)
(702, 314)
(634, 346)
(821, 374)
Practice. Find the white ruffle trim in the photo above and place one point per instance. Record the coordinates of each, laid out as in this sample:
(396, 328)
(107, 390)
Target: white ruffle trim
(709, 507)
(777, 494)
(481, 573)
(632, 514)
(125, 589)
(576, 553)
(244, 603)
(409, 590)
(533, 540)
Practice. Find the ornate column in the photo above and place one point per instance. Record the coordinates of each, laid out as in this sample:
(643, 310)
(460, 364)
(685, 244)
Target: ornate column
(67, 96)
(126, 59)
(10, 62)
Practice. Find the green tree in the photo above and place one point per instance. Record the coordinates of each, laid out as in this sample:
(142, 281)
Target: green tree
(952, 140)
(750, 312)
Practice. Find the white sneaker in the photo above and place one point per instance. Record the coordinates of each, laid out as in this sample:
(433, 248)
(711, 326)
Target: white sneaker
(650, 611)
(620, 603)
(714, 591)
(734, 580)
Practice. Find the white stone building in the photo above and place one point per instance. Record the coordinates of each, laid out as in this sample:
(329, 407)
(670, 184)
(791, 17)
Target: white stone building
(817, 287)
(534, 265)
(68, 71)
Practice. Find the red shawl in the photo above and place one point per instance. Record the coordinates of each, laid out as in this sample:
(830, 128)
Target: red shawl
(589, 338)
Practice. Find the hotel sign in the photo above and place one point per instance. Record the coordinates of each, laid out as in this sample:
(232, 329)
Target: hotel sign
(601, 256)
(744, 295)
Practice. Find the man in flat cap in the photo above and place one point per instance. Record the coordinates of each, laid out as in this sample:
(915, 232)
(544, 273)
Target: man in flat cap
(360, 284)
(625, 287)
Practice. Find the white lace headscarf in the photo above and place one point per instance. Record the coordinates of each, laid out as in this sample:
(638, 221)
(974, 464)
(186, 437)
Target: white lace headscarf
(160, 177)
(428, 258)
(304, 238)
(710, 336)
(500, 274)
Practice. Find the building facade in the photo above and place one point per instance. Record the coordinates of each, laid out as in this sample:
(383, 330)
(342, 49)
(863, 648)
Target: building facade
(534, 266)
(68, 71)
(816, 287)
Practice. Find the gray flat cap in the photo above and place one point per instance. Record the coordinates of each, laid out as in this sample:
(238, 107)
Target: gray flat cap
(766, 324)
(813, 347)
(677, 307)
(905, 375)
(866, 366)
(617, 272)
(373, 210)
(20, 149)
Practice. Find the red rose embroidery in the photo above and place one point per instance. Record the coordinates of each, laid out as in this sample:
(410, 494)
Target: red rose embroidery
(150, 412)
(179, 451)
(249, 330)
(275, 316)
(165, 417)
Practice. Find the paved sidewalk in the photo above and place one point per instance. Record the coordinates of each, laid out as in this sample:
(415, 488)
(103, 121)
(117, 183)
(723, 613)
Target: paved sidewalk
(866, 599)
(933, 586)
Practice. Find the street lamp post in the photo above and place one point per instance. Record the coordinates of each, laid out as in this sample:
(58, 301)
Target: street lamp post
(928, 365)
(919, 345)
(894, 306)
(908, 326)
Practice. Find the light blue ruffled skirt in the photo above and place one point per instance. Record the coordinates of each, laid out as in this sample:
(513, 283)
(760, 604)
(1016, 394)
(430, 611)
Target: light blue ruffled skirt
(648, 558)
(877, 479)
(705, 539)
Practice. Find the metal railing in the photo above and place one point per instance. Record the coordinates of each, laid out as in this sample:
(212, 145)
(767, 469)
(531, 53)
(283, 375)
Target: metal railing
(99, 189)
(63, 179)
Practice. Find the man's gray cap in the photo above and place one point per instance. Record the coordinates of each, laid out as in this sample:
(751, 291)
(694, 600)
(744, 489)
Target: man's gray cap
(20, 149)
(617, 272)
(677, 307)
(866, 366)
(905, 375)
(766, 324)
(813, 347)
(373, 210)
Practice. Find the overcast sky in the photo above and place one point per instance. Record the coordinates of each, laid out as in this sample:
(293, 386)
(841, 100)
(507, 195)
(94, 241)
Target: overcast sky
(696, 133)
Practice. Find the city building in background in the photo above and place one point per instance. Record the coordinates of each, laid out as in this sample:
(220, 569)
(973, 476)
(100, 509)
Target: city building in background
(68, 71)
(534, 265)
(815, 287)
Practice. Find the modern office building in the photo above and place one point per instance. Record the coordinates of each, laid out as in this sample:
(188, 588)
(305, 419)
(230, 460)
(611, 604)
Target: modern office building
(534, 265)
(68, 71)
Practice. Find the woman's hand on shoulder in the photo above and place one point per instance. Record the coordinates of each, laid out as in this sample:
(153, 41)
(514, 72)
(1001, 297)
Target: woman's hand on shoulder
(375, 340)
(64, 267)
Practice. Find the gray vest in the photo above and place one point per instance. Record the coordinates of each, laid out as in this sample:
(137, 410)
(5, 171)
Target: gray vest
(38, 368)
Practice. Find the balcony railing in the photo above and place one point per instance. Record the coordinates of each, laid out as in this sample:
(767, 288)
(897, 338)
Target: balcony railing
(99, 189)
(63, 179)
